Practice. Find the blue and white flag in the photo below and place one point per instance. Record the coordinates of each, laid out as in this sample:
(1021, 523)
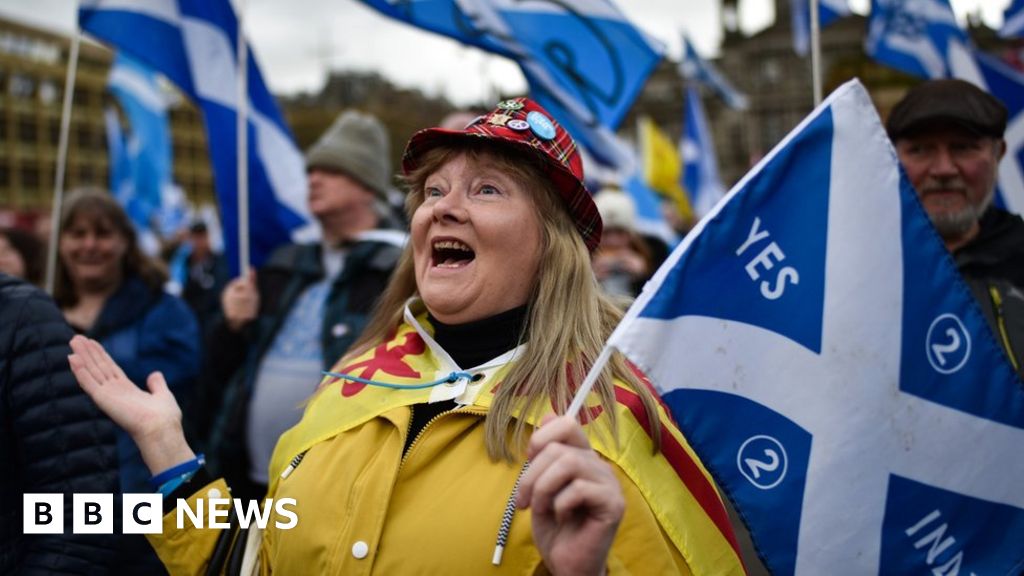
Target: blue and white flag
(146, 151)
(650, 220)
(820, 352)
(192, 42)
(829, 11)
(913, 35)
(1013, 20)
(1006, 84)
(693, 67)
(700, 164)
(584, 62)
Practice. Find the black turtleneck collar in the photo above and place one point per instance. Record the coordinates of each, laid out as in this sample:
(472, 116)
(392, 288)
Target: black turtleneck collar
(474, 343)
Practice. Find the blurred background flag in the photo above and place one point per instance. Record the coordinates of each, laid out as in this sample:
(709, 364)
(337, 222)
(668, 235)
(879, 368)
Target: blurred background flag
(913, 35)
(147, 148)
(696, 69)
(1006, 84)
(661, 168)
(192, 42)
(584, 62)
(650, 220)
(141, 161)
(1013, 20)
(815, 344)
(829, 11)
(700, 171)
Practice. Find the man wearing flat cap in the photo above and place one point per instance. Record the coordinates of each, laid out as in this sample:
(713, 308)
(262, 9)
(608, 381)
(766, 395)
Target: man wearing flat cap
(949, 137)
(308, 303)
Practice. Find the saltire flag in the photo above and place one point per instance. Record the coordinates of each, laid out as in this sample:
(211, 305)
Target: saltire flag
(584, 62)
(694, 68)
(1013, 20)
(829, 11)
(192, 42)
(820, 352)
(1002, 81)
(700, 172)
(913, 35)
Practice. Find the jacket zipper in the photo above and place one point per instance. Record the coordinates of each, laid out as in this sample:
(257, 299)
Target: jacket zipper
(420, 433)
(997, 301)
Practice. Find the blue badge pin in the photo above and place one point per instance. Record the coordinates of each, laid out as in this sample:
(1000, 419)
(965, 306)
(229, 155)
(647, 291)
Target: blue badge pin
(541, 125)
(518, 125)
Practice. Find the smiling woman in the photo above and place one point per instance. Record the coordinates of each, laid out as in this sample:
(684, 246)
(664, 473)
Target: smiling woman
(434, 444)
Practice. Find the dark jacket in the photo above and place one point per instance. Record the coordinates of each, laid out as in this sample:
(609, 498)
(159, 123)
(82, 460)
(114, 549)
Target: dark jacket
(52, 439)
(235, 357)
(146, 330)
(993, 265)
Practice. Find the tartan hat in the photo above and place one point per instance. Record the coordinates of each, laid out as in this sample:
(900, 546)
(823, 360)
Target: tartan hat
(523, 125)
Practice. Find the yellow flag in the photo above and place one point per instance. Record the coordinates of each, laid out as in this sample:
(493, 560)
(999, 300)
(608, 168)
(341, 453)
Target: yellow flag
(663, 169)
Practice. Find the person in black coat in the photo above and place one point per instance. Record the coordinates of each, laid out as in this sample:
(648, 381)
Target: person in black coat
(53, 439)
(950, 138)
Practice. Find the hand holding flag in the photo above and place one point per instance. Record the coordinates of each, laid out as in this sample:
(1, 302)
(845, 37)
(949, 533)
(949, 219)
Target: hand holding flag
(819, 350)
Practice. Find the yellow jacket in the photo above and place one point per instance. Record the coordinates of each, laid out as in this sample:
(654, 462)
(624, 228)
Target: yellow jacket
(364, 508)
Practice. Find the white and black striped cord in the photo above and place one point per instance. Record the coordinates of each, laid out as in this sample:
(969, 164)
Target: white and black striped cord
(293, 465)
(506, 518)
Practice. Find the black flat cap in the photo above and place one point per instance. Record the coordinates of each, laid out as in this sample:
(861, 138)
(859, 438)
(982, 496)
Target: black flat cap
(947, 101)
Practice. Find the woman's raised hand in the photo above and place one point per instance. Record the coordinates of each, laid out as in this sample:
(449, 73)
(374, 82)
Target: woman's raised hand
(575, 498)
(152, 418)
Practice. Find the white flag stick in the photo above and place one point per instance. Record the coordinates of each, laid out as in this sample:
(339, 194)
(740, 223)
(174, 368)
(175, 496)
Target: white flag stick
(816, 52)
(62, 158)
(242, 131)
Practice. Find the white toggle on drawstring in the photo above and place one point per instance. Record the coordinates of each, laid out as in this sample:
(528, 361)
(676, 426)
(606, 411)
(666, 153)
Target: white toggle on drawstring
(506, 518)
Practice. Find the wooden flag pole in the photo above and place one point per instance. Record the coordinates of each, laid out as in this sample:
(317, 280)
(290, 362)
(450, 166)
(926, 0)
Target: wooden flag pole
(62, 158)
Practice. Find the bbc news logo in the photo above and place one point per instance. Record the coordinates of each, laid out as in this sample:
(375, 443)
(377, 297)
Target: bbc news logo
(143, 513)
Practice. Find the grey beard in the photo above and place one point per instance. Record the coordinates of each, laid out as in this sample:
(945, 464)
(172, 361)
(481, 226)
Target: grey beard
(954, 226)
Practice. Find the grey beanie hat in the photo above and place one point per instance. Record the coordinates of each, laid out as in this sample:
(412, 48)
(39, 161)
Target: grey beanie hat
(357, 145)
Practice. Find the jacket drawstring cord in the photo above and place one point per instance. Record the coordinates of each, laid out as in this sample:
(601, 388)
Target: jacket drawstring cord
(449, 379)
(506, 518)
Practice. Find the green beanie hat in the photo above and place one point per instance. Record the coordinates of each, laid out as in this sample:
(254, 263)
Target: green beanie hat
(357, 145)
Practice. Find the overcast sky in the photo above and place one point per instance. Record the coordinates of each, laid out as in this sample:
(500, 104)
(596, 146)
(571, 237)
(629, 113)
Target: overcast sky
(297, 41)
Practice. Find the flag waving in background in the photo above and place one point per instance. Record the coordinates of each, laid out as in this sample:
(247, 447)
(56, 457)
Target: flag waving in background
(822, 355)
(142, 163)
(700, 174)
(584, 62)
(1006, 84)
(192, 42)
(1013, 20)
(696, 69)
(922, 38)
(661, 167)
(913, 35)
(829, 11)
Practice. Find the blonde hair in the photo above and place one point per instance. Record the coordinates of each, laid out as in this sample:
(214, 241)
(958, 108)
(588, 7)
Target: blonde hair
(568, 317)
(99, 205)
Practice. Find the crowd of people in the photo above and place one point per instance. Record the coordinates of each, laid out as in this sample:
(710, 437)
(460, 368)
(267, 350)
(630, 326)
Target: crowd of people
(394, 377)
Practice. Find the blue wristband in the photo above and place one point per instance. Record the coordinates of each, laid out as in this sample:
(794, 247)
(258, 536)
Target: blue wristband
(189, 467)
(171, 485)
